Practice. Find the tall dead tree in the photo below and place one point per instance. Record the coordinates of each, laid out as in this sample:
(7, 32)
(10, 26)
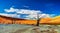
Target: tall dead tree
(38, 20)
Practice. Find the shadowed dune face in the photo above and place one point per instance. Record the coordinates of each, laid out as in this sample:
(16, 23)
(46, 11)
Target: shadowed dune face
(9, 20)
(5, 21)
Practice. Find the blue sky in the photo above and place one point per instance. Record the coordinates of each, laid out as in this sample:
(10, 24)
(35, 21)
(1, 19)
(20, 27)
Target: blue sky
(45, 6)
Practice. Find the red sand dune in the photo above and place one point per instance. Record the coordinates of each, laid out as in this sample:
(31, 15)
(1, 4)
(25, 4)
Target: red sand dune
(10, 20)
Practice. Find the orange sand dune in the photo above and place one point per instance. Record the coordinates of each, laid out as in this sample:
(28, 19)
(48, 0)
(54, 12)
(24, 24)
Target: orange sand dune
(45, 20)
(10, 20)
(55, 19)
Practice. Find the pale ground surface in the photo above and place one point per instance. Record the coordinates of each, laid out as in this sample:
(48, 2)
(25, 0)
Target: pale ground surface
(16, 28)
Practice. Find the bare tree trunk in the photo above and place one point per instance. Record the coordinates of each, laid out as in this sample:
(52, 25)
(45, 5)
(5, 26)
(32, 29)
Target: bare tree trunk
(37, 23)
(38, 20)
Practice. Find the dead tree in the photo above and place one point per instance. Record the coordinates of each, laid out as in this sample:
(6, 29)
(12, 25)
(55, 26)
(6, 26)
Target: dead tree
(38, 20)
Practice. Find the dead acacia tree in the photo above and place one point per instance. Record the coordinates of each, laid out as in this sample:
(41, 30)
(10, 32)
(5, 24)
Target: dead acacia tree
(38, 20)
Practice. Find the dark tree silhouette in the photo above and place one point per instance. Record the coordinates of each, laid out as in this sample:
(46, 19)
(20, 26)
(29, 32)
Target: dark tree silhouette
(38, 20)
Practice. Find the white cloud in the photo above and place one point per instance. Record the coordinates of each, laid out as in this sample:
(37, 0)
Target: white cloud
(10, 15)
(11, 10)
(22, 11)
(35, 16)
(44, 15)
(32, 13)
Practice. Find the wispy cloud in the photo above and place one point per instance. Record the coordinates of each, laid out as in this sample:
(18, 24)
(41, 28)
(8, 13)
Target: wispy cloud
(26, 6)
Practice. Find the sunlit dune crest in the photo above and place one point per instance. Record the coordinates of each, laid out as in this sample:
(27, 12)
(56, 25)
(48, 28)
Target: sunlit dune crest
(45, 20)
(55, 19)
